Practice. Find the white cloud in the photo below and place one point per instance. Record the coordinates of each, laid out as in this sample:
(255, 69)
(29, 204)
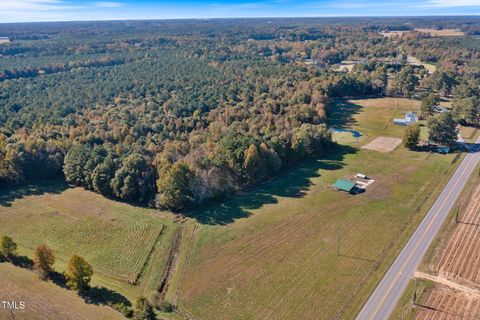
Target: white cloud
(108, 4)
(36, 5)
(454, 3)
(36, 10)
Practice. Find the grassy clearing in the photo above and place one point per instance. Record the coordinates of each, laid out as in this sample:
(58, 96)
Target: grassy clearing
(43, 300)
(415, 61)
(417, 289)
(272, 252)
(124, 244)
(469, 134)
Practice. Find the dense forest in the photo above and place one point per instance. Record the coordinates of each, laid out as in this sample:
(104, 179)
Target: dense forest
(174, 113)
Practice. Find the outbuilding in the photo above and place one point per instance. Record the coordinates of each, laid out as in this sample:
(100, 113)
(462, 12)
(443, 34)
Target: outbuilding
(345, 185)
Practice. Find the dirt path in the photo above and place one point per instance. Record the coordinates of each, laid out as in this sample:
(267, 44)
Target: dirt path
(471, 292)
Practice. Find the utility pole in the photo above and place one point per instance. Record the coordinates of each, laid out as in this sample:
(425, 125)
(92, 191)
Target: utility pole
(415, 292)
(457, 219)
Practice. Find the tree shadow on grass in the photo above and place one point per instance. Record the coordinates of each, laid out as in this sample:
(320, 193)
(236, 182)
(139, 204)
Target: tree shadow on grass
(22, 262)
(94, 295)
(291, 184)
(104, 296)
(8, 194)
(341, 114)
(59, 279)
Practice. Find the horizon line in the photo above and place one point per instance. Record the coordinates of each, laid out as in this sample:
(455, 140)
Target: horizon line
(245, 17)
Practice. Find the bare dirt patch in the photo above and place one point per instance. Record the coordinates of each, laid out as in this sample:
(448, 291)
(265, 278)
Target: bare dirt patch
(383, 144)
(445, 303)
(456, 293)
(461, 257)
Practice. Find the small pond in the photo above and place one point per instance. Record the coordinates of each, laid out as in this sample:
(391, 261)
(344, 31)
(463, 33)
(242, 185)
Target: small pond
(354, 133)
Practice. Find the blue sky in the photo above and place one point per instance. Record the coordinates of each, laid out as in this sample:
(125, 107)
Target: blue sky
(59, 10)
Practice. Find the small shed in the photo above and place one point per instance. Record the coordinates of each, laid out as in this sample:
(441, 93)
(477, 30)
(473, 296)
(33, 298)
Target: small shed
(344, 185)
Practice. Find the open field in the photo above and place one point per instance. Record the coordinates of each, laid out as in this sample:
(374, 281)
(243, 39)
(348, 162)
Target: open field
(121, 241)
(274, 252)
(415, 61)
(469, 134)
(344, 66)
(44, 300)
(442, 32)
(432, 32)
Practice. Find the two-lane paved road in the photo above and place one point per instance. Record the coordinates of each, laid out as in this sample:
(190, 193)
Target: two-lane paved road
(383, 300)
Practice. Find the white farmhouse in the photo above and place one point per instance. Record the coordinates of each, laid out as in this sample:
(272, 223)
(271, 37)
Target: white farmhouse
(410, 117)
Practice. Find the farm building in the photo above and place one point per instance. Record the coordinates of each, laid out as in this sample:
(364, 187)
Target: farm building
(410, 118)
(345, 185)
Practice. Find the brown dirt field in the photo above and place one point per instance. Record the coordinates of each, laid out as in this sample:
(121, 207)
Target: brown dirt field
(446, 304)
(383, 144)
(461, 258)
(44, 299)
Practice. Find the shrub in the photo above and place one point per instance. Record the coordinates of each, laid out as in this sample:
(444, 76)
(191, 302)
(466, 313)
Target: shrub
(8, 248)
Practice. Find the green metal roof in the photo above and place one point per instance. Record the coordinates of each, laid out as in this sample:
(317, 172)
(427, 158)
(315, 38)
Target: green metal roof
(345, 185)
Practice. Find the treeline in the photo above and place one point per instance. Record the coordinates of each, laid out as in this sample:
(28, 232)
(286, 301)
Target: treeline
(30, 72)
(187, 134)
(172, 114)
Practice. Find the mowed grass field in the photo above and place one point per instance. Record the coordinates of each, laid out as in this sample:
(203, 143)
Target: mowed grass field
(122, 242)
(294, 248)
(44, 300)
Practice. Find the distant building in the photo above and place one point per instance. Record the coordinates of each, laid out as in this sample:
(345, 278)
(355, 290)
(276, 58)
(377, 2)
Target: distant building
(440, 109)
(410, 118)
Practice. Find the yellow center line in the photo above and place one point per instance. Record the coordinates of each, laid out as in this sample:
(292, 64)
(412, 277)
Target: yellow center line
(422, 236)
